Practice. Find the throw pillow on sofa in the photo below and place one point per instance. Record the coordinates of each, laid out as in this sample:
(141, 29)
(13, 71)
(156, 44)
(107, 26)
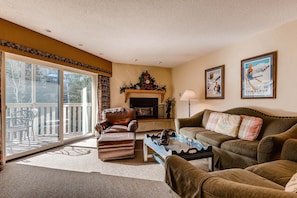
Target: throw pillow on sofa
(291, 186)
(212, 120)
(228, 124)
(250, 127)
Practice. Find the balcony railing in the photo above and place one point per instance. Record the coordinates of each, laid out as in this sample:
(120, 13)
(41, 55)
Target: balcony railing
(77, 118)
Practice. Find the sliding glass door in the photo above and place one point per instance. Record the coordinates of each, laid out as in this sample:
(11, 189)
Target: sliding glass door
(32, 106)
(77, 104)
(45, 105)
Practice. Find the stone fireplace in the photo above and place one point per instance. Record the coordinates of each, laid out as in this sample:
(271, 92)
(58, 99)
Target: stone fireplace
(145, 107)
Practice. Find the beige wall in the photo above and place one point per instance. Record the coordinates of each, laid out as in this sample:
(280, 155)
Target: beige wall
(282, 39)
(123, 74)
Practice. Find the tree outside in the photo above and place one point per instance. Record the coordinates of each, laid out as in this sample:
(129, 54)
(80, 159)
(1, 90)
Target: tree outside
(22, 77)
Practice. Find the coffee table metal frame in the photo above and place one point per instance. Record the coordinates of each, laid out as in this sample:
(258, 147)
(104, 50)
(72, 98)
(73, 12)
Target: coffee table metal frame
(184, 147)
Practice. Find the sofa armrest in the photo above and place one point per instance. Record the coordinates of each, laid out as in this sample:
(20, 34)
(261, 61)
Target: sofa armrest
(184, 178)
(289, 149)
(270, 147)
(133, 125)
(189, 181)
(193, 121)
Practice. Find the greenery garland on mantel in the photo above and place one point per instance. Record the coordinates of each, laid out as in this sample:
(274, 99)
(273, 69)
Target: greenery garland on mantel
(146, 82)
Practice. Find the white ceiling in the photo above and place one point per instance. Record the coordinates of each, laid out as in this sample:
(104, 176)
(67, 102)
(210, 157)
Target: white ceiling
(149, 32)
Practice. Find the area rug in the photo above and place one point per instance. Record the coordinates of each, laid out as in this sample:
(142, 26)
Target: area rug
(82, 157)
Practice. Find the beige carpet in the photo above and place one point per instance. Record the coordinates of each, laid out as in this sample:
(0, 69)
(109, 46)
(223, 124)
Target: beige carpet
(83, 157)
(22, 181)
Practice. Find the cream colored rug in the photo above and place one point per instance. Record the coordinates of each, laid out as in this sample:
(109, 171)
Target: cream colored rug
(83, 157)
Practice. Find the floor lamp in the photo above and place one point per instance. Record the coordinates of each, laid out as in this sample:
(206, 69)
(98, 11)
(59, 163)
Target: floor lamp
(189, 95)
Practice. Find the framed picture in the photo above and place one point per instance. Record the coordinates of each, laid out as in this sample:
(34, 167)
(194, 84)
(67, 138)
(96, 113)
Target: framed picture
(214, 82)
(258, 76)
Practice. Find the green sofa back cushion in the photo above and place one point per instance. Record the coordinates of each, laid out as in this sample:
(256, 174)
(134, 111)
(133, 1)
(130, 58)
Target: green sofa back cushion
(271, 124)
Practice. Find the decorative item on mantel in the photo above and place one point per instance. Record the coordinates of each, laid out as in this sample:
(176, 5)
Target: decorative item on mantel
(170, 102)
(146, 82)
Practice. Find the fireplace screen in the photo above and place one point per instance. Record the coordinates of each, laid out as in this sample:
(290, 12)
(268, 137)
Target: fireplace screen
(145, 107)
(144, 111)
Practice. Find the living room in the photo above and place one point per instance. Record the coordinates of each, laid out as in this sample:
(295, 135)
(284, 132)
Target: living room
(280, 38)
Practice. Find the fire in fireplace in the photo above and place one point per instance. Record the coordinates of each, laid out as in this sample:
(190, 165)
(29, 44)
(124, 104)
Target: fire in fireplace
(145, 107)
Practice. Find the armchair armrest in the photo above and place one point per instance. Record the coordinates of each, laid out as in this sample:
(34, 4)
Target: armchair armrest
(193, 121)
(100, 126)
(270, 147)
(133, 125)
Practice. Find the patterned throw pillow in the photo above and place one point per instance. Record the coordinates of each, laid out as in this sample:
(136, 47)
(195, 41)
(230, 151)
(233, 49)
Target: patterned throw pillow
(228, 124)
(250, 127)
(292, 184)
(213, 120)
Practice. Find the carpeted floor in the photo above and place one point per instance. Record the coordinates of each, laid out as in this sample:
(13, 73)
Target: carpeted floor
(75, 171)
(81, 159)
(21, 181)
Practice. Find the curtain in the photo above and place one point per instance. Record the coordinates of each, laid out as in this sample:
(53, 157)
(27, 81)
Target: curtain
(1, 134)
(103, 94)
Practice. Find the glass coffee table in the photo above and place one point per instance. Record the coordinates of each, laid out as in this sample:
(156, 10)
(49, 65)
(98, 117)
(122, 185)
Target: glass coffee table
(186, 148)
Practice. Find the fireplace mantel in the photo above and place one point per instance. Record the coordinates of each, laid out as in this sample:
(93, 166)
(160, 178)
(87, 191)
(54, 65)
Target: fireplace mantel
(140, 91)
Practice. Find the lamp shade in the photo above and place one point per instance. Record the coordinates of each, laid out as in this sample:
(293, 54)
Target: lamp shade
(188, 95)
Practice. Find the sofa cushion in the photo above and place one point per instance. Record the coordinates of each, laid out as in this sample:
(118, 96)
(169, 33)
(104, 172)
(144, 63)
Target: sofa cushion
(246, 177)
(282, 170)
(206, 114)
(191, 132)
(228, 124)
(271, 124)
(213, 120)
(212, 138)
(250, 127)
(291, 186)
(242, 147)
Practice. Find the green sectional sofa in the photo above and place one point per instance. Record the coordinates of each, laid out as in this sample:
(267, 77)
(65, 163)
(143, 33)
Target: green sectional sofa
(231, 151)
(275, 179)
